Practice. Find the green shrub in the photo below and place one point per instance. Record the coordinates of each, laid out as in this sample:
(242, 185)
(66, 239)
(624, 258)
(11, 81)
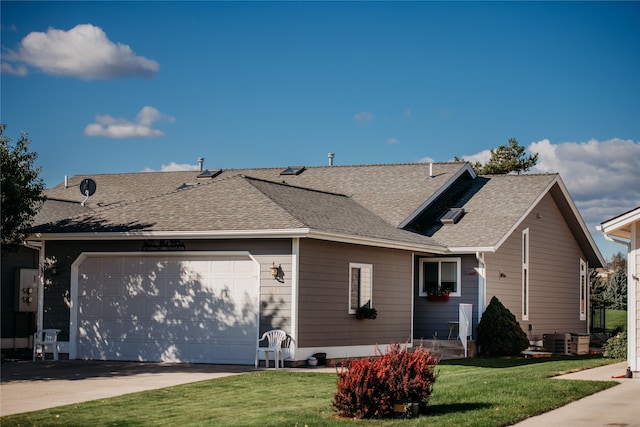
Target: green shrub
(499, 333)
(616, 346)
(368, 388)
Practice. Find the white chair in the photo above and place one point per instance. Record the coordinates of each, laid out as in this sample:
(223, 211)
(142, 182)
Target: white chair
(275, 337)
(44, 338)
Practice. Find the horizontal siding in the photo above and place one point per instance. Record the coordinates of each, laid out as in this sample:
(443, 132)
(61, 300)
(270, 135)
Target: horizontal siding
(554, 272)
(432, 317)
(323, 300)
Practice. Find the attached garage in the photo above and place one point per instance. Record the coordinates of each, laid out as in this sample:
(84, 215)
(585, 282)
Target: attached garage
(179, 307)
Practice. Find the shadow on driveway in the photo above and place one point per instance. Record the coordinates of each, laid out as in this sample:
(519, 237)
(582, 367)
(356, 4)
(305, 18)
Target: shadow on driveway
(72, 370)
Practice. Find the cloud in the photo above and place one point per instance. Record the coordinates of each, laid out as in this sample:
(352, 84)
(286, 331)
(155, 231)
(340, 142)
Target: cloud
(174, 167)
(110, 127)
(15, 70)
(84, 52)
(393, 141)
(363, 118)
(603, 177)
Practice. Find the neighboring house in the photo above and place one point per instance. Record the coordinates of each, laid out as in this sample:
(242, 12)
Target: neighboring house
(625, 229)
(194, 266)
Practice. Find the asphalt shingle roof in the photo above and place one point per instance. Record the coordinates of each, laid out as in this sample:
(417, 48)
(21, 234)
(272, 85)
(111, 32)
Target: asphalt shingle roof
(369, 201)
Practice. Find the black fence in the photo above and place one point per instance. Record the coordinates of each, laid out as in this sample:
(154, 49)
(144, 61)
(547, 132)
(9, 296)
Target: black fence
(598, 319)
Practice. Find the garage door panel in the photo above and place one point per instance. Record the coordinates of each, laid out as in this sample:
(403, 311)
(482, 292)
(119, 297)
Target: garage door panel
(164, 308)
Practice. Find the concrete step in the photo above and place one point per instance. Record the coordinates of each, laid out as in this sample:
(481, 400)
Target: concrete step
(449, 349)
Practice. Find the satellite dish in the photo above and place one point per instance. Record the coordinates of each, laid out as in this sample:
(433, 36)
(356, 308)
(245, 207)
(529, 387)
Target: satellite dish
(87, 187)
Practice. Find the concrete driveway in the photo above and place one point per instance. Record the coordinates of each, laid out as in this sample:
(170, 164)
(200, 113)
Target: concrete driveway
(31, 386)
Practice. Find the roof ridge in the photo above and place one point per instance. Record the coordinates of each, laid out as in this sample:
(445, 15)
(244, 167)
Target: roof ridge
(285, 184)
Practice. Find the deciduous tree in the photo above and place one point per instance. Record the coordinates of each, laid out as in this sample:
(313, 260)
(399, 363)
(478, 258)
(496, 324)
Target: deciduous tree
(21, 188)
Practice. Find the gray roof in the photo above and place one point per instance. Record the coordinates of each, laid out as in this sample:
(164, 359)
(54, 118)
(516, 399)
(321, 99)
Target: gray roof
(399, 203)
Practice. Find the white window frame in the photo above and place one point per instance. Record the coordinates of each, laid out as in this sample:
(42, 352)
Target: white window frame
(458, 261)
(362, 267)
(583, 289)
(526, 275)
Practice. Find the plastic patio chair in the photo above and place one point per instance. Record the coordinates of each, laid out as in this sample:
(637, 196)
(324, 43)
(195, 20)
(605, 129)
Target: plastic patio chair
(275, 339)
(44, 338)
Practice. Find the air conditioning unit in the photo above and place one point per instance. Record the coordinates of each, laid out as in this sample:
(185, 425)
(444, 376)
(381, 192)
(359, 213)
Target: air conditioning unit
(557, 343)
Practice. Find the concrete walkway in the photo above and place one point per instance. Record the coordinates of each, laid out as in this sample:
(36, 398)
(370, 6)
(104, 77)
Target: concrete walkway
(617, 406)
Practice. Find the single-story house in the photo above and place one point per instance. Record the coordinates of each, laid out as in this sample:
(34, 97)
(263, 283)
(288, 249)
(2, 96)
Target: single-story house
(195, 266)
(625, 229)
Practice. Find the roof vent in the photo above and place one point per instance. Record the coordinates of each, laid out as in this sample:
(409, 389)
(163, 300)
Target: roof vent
(293, 170)
(452, 216)
(209, 174)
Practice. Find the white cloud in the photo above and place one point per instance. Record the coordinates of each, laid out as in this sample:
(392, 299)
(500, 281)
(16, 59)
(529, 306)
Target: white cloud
(15, 70)
(393, 141)
(174, 167)
(84, 52)
(363, 118)
(111, 127)
(603, 177)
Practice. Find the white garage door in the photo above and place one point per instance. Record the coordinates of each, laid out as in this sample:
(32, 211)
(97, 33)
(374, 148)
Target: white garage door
(199, 309)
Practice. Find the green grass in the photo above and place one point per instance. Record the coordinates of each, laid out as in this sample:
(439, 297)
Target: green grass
(615, 319)
(478, 392)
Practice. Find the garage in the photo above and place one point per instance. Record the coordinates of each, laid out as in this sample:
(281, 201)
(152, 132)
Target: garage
(167, 308)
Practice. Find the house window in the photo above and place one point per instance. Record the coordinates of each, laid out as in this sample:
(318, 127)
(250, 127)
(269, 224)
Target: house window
(440, 275)
(360, 286)
(525, 274)
(583, 290)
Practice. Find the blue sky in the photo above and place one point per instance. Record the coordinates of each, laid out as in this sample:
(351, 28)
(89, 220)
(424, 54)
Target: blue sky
(108, 87)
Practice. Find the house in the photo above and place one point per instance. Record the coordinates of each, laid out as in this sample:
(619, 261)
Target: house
(194, 266)
(625, 229)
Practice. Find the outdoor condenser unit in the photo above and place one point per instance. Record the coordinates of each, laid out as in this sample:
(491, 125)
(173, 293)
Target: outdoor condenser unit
(557, 343)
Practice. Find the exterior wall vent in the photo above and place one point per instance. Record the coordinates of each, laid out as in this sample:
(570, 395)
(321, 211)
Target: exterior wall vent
(452, 216)
(207, 174)
(293, 170)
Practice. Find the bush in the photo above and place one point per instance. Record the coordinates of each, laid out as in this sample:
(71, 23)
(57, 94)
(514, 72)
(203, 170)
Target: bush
(616, 346)
(499, 333)
(368, 388)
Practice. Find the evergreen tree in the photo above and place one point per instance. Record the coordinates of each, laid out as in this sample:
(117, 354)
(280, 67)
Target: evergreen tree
(616, 292)
(505, 159)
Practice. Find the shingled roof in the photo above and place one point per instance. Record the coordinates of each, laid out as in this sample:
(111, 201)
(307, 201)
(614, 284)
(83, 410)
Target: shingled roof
(396, 204)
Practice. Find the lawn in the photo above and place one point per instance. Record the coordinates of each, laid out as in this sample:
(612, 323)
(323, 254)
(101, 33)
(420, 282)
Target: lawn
(615, 319)
(478, 392)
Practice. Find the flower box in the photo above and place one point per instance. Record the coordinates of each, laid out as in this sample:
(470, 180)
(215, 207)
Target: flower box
(438, 297)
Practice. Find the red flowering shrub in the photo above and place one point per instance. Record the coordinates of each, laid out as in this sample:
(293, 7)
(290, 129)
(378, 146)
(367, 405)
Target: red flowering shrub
(368, 388)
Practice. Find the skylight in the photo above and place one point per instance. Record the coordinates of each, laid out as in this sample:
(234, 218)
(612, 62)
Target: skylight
(452, 216)
(293, 170)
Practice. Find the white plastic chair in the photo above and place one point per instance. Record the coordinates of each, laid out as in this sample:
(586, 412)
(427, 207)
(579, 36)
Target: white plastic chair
(44, 338)
(275, 339)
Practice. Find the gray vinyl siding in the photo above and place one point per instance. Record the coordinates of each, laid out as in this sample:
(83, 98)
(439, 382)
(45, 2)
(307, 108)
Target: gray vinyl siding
(275, 297)
(323, 311)
(554, 273)
(432, 317)
(15, 324)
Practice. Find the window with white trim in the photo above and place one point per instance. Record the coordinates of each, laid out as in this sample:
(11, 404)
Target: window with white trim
(439, 276)
(584, 277)
(525, 274)
(360, 286)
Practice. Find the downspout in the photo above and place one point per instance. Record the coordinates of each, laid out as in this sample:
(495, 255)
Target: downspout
(482, 285)
(39, 246)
